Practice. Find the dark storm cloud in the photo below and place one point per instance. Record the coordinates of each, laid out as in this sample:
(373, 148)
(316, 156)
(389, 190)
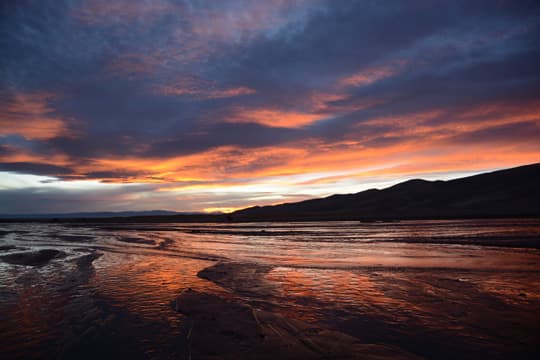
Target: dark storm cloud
(245, 135)
(344, 37)
(35, 168)
(350, 35)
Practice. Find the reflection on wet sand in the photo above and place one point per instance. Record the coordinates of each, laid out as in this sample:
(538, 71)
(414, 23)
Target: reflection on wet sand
(90, 291)
(435, 313)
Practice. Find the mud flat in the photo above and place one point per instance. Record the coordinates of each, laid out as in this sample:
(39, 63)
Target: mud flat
(230, 329)
(333, 291)
(33, 258)
(432, 313)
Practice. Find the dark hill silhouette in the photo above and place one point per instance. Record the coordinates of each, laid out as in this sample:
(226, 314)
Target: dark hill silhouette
(506, 193)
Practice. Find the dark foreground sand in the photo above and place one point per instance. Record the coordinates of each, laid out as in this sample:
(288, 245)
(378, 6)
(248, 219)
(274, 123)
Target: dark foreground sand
(227, 327)
(456, 317)
(33, 258)
(223, 328)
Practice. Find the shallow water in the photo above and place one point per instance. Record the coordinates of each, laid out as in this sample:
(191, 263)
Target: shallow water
(435, 288)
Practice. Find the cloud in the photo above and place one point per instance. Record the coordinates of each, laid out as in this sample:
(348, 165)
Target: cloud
(35, 168)
(371, 75)
(200, 88)
(95, 12)
(31, 200)
(274, 117)
(31, 116)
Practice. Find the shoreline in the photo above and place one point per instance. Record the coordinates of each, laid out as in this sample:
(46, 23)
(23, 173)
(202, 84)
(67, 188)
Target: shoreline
(223, 219)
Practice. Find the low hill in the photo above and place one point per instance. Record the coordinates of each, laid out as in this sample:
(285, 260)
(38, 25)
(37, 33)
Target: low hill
(512, 192)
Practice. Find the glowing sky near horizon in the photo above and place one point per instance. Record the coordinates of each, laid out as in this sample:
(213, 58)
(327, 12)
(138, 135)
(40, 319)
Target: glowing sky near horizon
(218, 105)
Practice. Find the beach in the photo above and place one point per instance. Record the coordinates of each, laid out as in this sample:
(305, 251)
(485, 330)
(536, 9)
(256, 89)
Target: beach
(316, 290)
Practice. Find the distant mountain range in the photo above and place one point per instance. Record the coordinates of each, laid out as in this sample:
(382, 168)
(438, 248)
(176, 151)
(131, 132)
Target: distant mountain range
(79, 215)
(506, 193)
(512, 192)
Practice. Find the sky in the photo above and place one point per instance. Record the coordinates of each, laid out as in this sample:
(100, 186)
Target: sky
(217, 105)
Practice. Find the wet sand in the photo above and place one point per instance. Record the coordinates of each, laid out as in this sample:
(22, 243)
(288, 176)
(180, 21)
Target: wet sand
(32, 258)
(422, 311)
(221, 328)
(328, 291)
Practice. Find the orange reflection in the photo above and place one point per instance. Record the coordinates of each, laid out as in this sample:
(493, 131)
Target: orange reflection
(146, 285)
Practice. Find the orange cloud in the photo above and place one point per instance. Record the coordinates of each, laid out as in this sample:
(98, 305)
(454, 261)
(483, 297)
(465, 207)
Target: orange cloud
(229, 166)
(367, 77)
(211, 93)
(274, 117)
(19, 155)
(212, 167)
(31, 116)
(441, 124)
(373, 74)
